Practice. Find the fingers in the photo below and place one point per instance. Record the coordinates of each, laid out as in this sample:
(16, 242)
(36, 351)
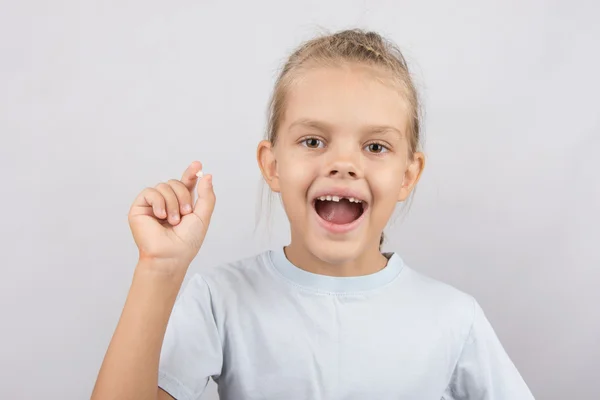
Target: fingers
(189, 177)
(184, 196)
(150, 202)
(178, 200)
(206, 199)
(174, 199)
(172, 204)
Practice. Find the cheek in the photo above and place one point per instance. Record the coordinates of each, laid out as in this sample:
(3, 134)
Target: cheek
(386, 186)
(295, 179)
(295, 174)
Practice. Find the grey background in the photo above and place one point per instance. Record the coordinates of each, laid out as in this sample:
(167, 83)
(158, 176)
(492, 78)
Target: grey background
(100, 99)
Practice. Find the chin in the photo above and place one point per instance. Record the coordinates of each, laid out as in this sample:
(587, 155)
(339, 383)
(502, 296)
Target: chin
(335, 251)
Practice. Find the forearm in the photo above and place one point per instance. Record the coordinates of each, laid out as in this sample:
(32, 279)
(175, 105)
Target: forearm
(130, 367)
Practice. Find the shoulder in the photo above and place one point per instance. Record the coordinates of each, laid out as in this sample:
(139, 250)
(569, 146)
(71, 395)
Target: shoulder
(439, 298)
(436, 290)
(237, 275)
(242, 268)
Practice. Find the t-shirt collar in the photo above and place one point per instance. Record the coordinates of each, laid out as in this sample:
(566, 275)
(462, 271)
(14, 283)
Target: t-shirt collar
(335, 284)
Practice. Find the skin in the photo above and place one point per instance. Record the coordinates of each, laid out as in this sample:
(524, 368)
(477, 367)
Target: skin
(323, 142)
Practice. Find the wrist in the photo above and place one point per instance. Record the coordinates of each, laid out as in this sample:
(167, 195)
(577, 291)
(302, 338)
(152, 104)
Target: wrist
(167, 269)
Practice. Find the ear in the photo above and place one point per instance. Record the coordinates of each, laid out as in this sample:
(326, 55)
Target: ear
(267, 164)
(412, 175)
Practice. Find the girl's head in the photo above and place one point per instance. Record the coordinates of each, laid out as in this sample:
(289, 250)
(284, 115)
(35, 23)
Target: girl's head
(343, 141)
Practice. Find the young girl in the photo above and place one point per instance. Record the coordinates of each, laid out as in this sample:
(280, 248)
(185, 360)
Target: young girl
(328, 316)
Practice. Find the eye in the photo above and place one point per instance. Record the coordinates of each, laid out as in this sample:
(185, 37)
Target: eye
(313, 143)
(376, 148)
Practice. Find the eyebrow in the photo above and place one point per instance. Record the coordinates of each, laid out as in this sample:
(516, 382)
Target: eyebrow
(325, 127)
(311, 123)
(384, 129)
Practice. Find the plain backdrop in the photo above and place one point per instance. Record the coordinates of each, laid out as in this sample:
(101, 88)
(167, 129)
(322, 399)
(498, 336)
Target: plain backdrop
(99, 99)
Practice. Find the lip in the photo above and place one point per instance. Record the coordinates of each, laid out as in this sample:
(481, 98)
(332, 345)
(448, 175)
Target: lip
(341, 192)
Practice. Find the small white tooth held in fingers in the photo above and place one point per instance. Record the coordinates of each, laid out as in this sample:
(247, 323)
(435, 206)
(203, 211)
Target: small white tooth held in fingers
(199, 174)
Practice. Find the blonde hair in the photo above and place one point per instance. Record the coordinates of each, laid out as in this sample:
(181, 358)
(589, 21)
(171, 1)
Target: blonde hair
(347, 47)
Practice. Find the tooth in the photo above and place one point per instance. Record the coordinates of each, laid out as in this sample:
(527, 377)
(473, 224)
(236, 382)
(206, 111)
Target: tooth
(322, 198)
(335, 198)
(329, 198)
(351, 199)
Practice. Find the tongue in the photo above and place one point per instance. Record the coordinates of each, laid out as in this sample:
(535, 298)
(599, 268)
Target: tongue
(342, 212)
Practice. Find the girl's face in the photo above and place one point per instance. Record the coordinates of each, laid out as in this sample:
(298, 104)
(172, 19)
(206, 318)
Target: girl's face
(341, 160)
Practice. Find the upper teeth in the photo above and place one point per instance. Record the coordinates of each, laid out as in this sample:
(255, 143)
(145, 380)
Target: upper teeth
(337, 198)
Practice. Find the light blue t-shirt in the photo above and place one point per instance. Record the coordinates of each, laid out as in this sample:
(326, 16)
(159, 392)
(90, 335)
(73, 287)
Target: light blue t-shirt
(263, 328)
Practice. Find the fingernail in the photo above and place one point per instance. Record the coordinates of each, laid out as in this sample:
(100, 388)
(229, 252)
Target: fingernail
(187, 208)
(175, 217)
(162, 213)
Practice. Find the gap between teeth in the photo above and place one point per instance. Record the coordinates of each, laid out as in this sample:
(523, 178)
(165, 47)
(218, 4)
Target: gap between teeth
(337, 198)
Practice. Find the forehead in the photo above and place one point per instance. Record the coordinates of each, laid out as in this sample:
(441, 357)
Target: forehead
(346, 97)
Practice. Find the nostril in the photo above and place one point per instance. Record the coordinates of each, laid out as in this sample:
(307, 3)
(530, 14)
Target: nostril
(335, 172)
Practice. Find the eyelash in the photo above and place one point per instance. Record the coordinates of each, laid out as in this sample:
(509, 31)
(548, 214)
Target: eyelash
(303, 141)
(384, 147)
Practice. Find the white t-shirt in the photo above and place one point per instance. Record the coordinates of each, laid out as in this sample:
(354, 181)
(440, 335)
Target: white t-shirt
(263, 328)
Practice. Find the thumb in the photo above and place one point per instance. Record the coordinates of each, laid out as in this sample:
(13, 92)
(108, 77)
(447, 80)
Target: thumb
(205, 204)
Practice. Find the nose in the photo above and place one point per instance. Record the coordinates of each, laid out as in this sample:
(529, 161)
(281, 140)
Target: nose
(343, 170)
(345, 165)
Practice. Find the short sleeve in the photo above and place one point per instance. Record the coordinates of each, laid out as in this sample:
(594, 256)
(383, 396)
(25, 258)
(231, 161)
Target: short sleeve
(484, 371)
(191, 350)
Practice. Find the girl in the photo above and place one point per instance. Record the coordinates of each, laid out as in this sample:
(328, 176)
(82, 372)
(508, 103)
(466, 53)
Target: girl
(328, 316)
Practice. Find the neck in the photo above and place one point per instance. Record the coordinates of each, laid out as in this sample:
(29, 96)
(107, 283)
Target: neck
(366, 263)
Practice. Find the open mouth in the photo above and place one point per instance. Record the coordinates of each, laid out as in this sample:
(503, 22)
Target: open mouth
(339, 210)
